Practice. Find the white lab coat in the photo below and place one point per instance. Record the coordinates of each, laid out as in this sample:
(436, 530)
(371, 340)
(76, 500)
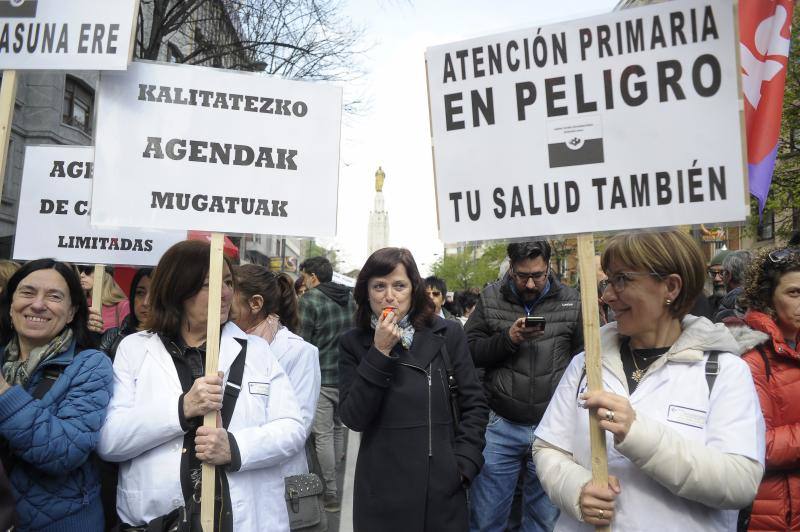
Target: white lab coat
(300, 361)
(688, 461)
(143, 431)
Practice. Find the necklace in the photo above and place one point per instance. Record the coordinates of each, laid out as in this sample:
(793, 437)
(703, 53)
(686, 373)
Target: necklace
(638, 373)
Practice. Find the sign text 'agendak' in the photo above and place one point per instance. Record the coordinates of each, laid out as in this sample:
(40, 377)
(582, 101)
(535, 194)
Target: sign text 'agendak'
(198, 148)
(53, 218)
(620, 121)
(66, 34)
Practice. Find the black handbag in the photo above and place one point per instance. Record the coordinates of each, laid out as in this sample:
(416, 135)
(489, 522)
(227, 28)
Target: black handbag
(304, 501)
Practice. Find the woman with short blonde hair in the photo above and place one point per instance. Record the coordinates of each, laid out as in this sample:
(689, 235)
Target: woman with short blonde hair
(684, 431)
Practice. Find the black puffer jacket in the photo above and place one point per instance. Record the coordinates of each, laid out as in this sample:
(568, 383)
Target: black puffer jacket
(521, 379)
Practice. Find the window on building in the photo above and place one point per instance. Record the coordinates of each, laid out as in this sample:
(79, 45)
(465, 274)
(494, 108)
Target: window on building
(766, 226)
(174, 54)
(78, 105)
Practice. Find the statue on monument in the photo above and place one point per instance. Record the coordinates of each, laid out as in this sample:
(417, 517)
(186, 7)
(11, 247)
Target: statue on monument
(380, 176)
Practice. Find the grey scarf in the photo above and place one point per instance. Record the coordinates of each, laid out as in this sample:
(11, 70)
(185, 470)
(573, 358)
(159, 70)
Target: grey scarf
(18, 371)
(406, 330)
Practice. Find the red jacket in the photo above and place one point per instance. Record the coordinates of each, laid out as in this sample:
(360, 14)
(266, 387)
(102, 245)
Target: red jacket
(777, 378)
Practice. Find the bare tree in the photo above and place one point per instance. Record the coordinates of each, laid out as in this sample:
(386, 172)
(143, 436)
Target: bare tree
(300, 39)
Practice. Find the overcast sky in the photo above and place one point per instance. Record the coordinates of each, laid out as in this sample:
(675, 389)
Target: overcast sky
(393, 132)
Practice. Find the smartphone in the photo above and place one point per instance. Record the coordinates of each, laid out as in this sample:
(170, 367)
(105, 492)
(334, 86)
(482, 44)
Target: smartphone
(535, 322)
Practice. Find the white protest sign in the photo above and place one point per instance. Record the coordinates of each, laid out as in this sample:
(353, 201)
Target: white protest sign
(191, 147)
(66, 34)
(53, 219)
(620, 121)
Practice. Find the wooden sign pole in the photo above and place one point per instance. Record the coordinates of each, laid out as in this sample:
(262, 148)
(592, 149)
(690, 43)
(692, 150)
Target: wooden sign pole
(208, 490)
(591, 342)
(97, 287)
(8, 98)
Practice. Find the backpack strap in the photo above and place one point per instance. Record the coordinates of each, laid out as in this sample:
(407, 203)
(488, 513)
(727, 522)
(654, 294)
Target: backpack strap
(50, 377)
(765, 358)
(712, 369)
(452, 385)
(234, 385)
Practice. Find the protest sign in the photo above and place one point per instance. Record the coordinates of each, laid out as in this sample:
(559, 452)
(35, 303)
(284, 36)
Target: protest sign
(66, 34)
(53, 219)
(191, 147)
(624, 120)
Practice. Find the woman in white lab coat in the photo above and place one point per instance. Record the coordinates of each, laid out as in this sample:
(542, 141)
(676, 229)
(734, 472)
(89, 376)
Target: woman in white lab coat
(154, 424)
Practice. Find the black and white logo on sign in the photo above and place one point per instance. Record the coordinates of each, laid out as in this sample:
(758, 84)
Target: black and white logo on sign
(575, 141)
(18, 8)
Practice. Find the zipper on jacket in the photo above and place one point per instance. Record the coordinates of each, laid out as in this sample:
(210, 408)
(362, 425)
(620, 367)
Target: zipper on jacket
(430, 430)
(430, 436)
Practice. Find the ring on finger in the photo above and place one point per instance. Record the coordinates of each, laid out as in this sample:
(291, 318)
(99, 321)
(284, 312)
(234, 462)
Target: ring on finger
(610, 415)
(601, 514)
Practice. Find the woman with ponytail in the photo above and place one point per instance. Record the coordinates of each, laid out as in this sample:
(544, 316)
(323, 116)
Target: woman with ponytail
(265, 305)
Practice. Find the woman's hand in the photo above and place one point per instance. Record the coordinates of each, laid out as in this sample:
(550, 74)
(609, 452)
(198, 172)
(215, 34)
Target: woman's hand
(597, 503)
(614, 412)
(205, 396)
(212, 444)
(95, 322)
(387, 333)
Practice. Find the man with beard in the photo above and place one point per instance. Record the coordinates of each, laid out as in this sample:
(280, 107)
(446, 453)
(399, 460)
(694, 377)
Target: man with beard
(716, 273)
(523, 367)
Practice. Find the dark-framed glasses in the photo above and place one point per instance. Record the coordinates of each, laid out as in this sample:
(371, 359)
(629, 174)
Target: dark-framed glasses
(713, 273)
(523, 277)
(781, 255)
(619, 279)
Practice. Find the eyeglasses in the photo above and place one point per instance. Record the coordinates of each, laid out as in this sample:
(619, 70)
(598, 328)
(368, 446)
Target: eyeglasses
(523, 277)
(713, 273)
(87, 270)
(781, 255)
(435, 293)
(618, 280)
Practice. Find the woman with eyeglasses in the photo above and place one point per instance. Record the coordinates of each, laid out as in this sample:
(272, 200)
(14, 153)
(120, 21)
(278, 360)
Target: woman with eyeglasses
(684, 430)
(772, 293)
(115, 304)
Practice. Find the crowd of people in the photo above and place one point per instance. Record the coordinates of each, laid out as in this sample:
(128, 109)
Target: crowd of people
(473, 411)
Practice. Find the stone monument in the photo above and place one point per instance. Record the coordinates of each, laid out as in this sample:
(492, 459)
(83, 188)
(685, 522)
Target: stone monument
(378, 234)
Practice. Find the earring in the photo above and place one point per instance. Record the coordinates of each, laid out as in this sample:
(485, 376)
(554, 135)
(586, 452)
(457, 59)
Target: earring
(668, 301)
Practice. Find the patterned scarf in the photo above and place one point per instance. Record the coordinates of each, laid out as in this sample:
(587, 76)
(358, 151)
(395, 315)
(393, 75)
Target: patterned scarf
(406, 330)
(18, 372)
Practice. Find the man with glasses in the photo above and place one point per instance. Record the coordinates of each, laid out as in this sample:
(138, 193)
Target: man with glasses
(523, 367)
(717, 276)
(436, 288)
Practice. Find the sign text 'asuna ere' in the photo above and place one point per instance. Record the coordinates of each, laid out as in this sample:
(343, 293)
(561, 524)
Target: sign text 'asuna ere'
(53, 219)
(624, 120)
(199, 148)
(66, 35)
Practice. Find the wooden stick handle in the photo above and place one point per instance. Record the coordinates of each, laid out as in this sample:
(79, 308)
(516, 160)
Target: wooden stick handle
(8, 98)
(208, 490)
(97, 288)
(591, 341)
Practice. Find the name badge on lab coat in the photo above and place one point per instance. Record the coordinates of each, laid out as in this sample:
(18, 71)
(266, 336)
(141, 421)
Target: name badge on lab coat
(259, 388)
(687, 416)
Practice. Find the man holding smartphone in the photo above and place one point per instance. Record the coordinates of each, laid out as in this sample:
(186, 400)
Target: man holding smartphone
(524, 331)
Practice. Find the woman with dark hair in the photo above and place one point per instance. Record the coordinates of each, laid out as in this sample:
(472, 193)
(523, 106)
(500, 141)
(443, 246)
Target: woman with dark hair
(678, 408)
(407, 383)
(133, 322)
(265, 305)
(161, 394)
(54, 391)
(772, 295)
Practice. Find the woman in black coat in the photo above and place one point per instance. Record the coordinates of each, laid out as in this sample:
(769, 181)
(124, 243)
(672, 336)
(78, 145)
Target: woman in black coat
(414, 463)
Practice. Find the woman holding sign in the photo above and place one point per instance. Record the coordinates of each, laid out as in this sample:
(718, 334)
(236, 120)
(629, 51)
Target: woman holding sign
(115, 304)
(161, 394)
(407, 383)
(683, 427)
(53, 396)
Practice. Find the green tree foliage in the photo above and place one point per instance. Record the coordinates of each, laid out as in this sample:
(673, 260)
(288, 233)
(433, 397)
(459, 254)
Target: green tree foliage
(315, 250)
(470, 268)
